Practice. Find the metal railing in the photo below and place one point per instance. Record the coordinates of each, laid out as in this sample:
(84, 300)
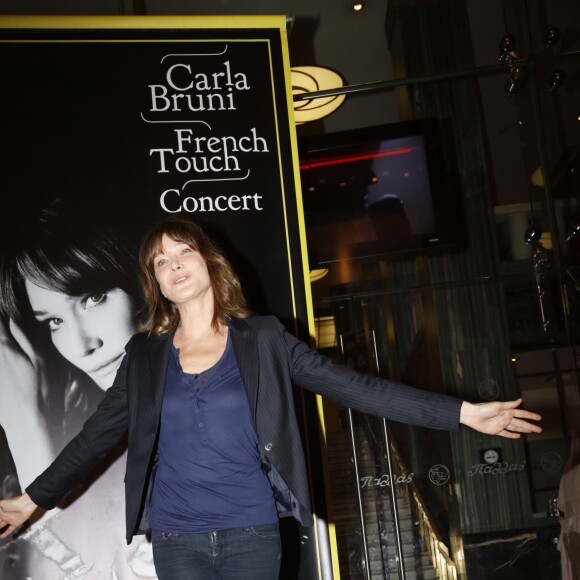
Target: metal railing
(444, 566)
(441, 561)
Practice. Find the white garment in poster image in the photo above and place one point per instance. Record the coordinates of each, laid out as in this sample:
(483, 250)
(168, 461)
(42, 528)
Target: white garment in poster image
(569, 541)
(87, 539)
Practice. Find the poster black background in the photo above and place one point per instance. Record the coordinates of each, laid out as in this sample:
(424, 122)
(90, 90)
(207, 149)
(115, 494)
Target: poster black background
(72, 127)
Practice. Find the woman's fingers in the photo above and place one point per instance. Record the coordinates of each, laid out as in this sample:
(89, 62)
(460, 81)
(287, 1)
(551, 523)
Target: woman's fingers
(22, 340)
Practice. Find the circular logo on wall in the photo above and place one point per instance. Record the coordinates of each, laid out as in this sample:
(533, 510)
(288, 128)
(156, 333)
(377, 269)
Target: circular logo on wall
(491, 456)
(488, 390)
(551, 462)
(439, 474)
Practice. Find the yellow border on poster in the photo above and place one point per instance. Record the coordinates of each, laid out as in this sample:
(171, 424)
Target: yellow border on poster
(193, 22)
(310, 313)
(131, 22)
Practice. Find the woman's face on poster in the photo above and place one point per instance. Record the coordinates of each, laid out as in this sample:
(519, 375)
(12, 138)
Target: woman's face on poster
(89, 331)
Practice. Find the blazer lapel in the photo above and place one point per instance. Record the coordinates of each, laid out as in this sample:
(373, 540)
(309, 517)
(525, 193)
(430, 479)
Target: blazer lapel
(158, 360)
(247, 355)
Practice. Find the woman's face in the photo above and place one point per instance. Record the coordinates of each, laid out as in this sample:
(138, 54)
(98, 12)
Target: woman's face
(181, 272)
(89, 331)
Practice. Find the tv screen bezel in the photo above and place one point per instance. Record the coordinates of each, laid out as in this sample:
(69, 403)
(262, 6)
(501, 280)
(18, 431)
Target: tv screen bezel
(448, 234)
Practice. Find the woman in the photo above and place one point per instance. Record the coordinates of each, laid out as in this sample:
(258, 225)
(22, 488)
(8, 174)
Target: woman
(68, 297)
(205, 395)
(569, 504)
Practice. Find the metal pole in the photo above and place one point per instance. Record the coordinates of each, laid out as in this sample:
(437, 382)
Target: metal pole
(395, 509)
(366, 561)
(389, 84)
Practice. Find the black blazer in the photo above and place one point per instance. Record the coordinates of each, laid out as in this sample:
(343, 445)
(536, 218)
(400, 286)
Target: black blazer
(271, 361)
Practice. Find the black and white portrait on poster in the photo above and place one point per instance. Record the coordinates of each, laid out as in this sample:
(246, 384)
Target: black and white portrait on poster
(108, 127)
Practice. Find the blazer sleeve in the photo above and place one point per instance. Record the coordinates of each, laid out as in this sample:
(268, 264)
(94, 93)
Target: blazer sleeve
(99, 434)
(365, 393)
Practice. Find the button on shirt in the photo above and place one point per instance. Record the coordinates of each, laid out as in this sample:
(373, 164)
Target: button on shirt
(209, 474)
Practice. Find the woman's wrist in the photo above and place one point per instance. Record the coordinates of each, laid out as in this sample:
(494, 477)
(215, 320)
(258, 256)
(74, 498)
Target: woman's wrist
(463, 412)
(466, 413)
(24, 502)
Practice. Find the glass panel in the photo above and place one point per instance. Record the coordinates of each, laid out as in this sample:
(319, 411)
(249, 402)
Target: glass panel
(558, 100)
(497, 320)
(554, 27)
(381, 506)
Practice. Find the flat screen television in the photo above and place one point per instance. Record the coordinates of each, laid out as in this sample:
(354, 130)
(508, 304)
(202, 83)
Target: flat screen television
(388, 190)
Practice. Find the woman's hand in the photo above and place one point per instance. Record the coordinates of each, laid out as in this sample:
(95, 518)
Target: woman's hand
(19, 363)
(22, 376)
(496, 418)
(14, 511)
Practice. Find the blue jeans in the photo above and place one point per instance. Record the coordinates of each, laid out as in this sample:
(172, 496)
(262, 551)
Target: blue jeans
(251, 553)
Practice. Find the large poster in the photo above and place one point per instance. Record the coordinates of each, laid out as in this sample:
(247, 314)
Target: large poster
(110, 125)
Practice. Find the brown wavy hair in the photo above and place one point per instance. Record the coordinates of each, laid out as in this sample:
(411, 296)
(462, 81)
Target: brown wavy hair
(161, 315)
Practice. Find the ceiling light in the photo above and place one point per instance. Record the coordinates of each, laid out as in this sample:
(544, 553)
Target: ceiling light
(318, 274)
(325, 332)
(538, 178)
(358, 6)
(309, 79)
